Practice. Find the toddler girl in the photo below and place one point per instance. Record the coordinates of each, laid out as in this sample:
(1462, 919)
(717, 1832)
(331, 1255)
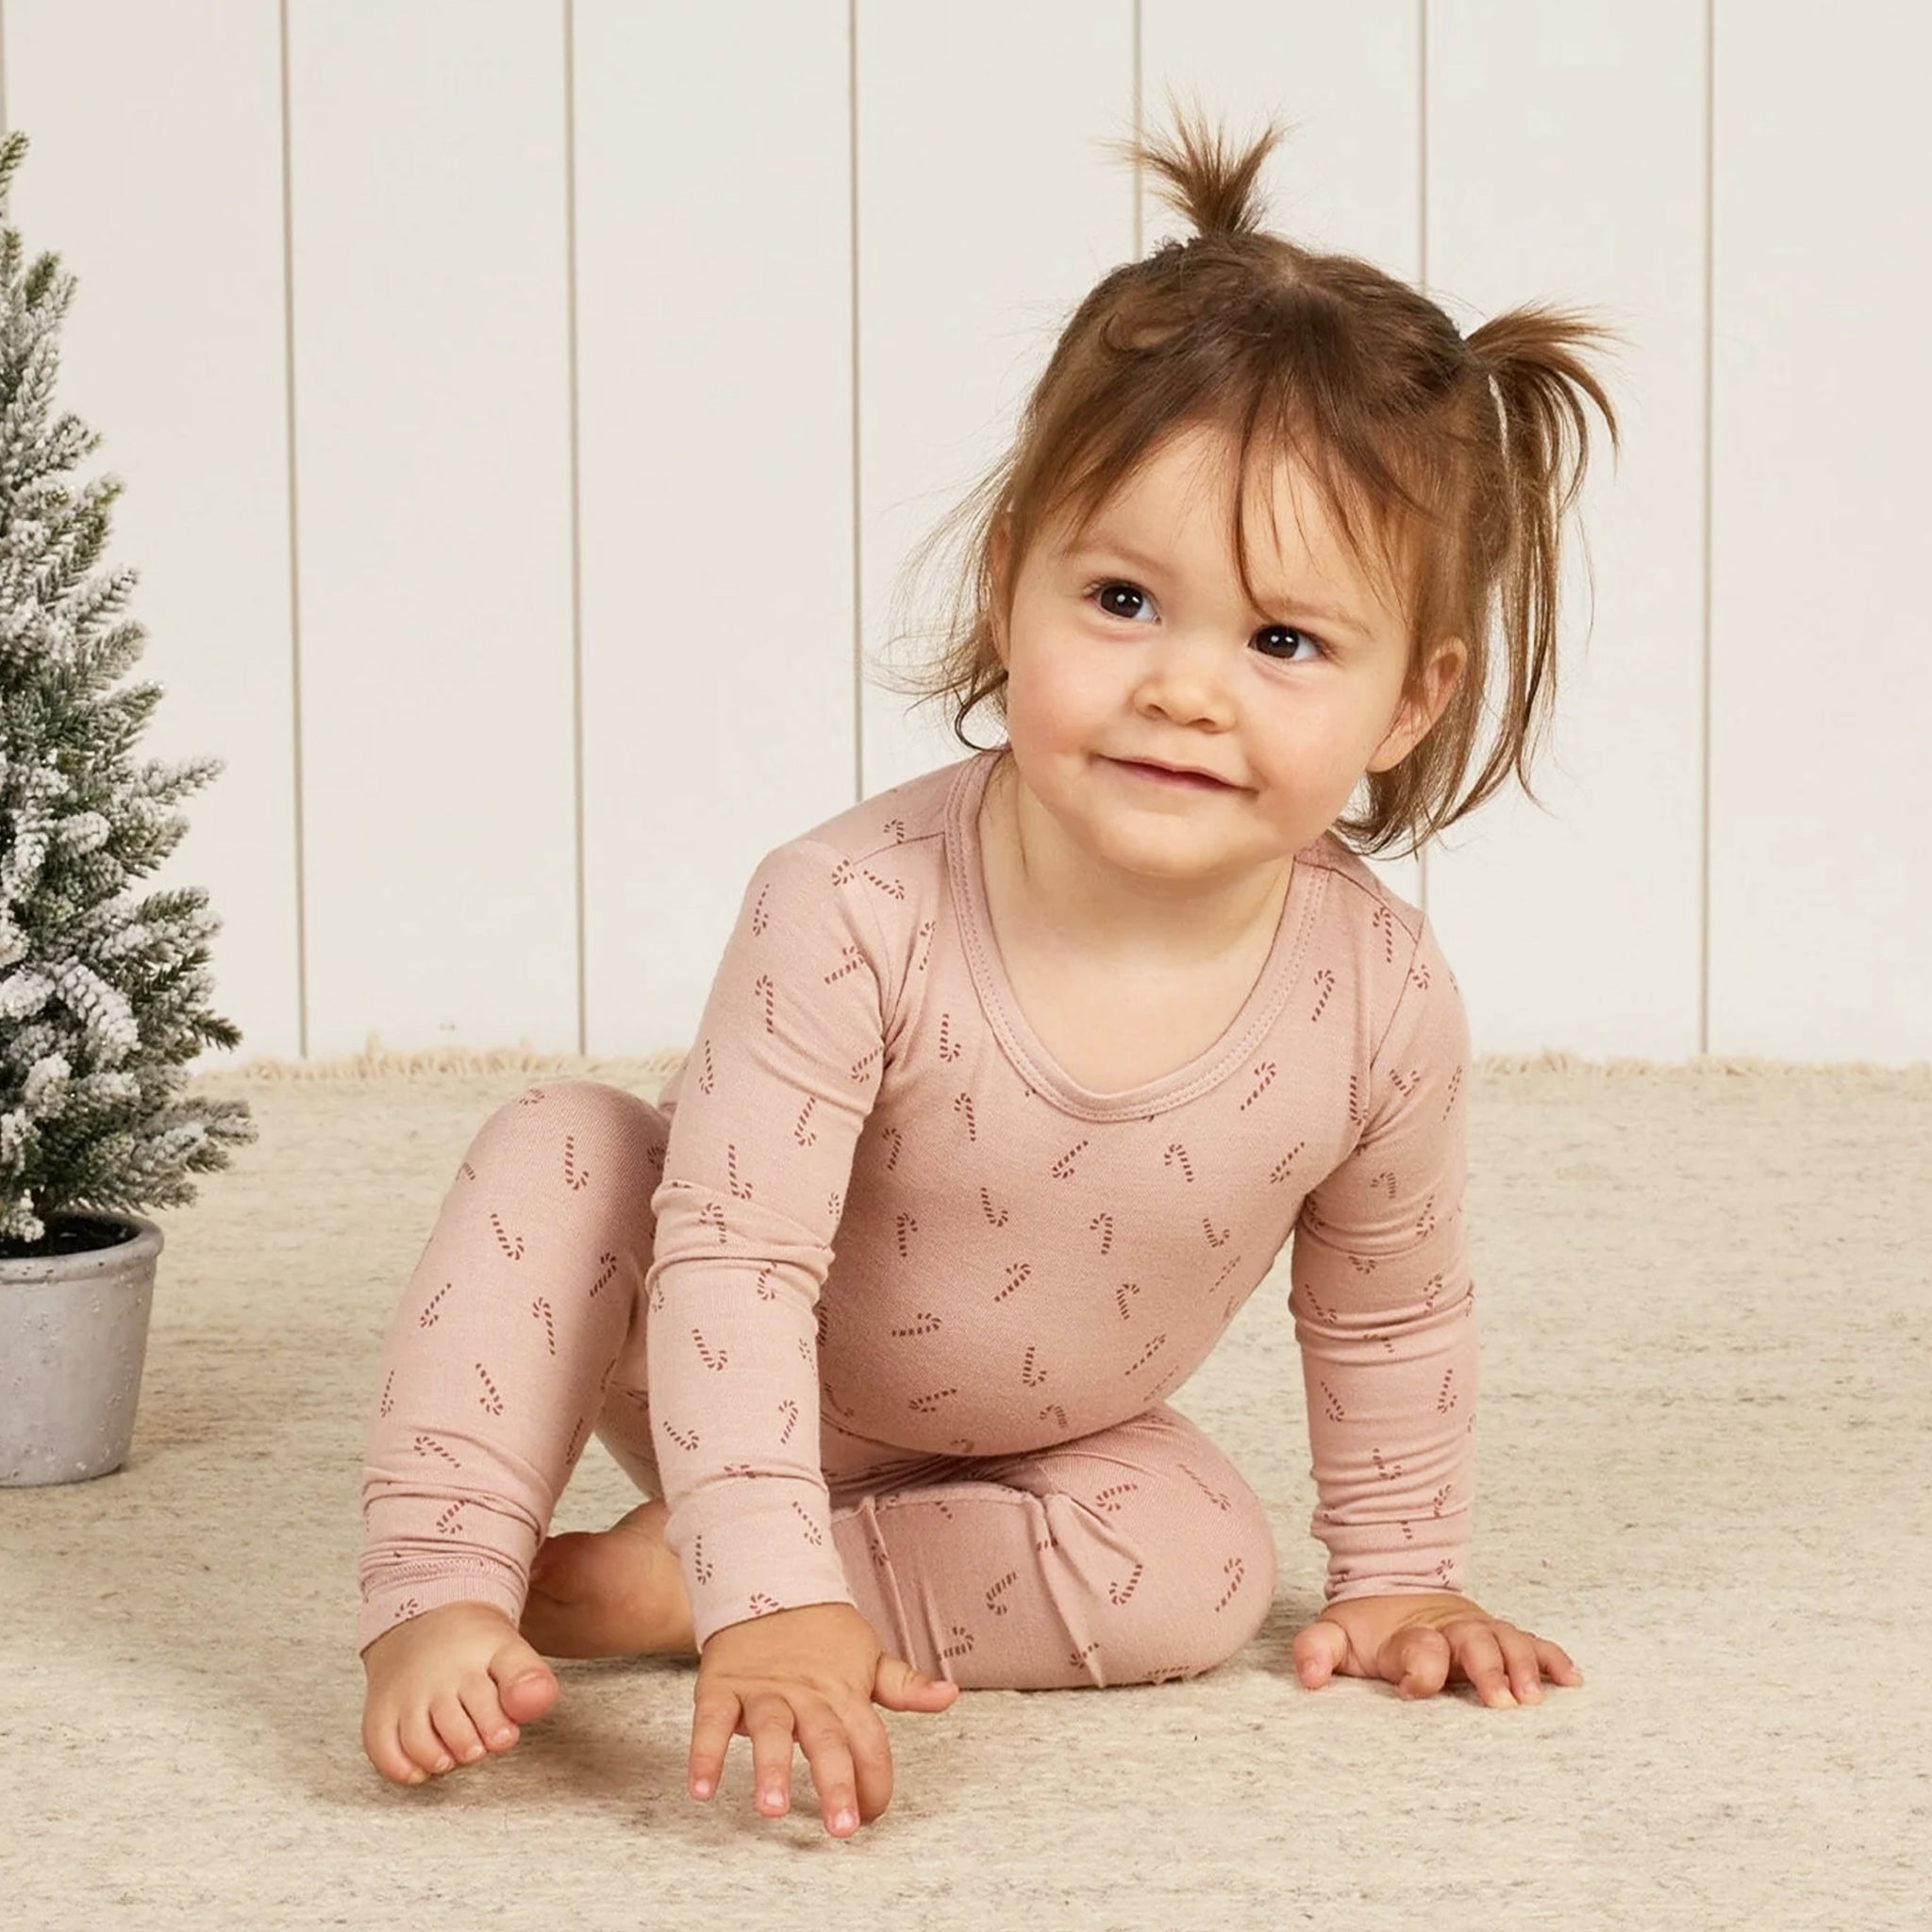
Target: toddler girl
(1015, 1078)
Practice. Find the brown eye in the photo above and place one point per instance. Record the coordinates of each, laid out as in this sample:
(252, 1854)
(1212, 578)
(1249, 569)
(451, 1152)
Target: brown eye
(1288, 630)
(1114, 586)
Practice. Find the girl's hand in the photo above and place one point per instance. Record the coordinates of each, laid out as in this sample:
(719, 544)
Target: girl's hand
(814, 1673)
(1419, 1640)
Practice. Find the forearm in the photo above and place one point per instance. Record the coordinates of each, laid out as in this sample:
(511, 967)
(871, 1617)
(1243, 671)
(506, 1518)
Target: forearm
(1391, 1430)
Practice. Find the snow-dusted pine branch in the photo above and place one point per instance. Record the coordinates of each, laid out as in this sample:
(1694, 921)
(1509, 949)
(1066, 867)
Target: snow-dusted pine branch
(103, 995)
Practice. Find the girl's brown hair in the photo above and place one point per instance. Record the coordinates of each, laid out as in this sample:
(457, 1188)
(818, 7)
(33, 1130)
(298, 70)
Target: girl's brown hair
(1449, 464)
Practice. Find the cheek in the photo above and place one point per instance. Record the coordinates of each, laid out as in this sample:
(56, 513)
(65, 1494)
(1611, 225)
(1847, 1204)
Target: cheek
(1046, 701)
(1309, 757)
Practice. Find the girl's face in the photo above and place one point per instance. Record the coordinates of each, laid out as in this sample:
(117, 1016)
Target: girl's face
(1138, 644)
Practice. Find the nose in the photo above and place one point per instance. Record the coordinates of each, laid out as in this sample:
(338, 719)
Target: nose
(1185, 680)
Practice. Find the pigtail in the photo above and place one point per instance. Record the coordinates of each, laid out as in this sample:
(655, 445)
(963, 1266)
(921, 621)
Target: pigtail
(1529, 357)
(1214, 187)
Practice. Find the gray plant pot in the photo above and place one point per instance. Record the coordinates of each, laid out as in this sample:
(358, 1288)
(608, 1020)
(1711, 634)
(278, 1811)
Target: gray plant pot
(73, 1343)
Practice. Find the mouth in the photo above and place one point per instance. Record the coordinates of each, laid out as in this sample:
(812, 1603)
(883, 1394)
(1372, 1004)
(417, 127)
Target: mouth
(1160, 775)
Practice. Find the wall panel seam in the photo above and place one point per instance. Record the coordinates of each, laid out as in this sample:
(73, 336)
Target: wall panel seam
(851, 322)
(1709, 366)
(576, 524)
(295, 771)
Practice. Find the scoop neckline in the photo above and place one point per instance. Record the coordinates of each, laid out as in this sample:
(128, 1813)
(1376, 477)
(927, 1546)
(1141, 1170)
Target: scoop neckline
(965, 864)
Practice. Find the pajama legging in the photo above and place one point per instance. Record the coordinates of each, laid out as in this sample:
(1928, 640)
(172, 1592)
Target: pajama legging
(1134, 1555)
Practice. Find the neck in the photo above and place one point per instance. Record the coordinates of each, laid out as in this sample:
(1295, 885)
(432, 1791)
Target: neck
(1162, 923)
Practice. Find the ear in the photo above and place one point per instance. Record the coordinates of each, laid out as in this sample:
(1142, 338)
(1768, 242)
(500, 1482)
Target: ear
(1416, 717)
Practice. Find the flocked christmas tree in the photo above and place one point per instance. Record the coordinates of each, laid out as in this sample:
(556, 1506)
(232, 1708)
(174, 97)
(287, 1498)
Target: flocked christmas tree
(101, 995)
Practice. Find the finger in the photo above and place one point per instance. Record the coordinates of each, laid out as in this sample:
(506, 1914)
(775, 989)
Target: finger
(821, 1738)
(1481, 1658)
(871, 1760)
(1519, 1657)
(1417, 1659)
(770, 1720)
(1319, 1652)
(900, 1687)
(715, 1724)
(1556, 1663)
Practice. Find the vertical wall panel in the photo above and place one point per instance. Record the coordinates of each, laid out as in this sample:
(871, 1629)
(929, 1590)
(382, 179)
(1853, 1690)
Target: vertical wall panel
(1820, 942)
(714, 328)
(1342, 80)
(431, 316)
(153, 171)
(1566, 165)
(986, 210)
(1345, 83)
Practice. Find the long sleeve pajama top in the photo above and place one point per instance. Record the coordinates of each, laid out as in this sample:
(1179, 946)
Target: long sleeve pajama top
(890, 1224)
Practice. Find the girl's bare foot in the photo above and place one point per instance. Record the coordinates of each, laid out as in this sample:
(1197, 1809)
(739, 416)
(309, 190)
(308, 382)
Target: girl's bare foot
(448, 1685)
(613, 1593)
(458, 1680)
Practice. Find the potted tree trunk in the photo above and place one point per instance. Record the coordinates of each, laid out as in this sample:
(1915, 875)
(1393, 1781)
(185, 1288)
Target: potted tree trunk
(101, 993)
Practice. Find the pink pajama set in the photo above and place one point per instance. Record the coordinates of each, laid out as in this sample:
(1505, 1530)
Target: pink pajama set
(887, 1307)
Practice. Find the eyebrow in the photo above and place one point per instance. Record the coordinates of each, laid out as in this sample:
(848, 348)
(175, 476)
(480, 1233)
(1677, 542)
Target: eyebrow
(1108, 546)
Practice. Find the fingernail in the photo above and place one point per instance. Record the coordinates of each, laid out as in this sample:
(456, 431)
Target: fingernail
(702, 1788)
(843, 1822)
(1504, 1699)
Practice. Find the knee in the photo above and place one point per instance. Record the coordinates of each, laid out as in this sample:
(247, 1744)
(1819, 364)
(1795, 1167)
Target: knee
(1208, 1567)
(606, 1145)
(594, 1105)
(593, 1113)
(1234, 1585)
(1240, 1588)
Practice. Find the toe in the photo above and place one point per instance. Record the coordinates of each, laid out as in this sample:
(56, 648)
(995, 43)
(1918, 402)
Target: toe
(486, 1711)
(420, 1744)
(453, 1725)
(524, 1684)
(385, 1751)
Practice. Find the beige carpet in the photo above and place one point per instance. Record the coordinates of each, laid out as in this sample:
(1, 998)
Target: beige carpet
(1706, 1419)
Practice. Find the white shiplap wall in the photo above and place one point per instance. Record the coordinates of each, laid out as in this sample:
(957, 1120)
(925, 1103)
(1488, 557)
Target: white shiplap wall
(526, 407)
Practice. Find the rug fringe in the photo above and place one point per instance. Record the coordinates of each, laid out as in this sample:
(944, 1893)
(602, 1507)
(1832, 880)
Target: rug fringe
(376, 1063)
(1725, 1066)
